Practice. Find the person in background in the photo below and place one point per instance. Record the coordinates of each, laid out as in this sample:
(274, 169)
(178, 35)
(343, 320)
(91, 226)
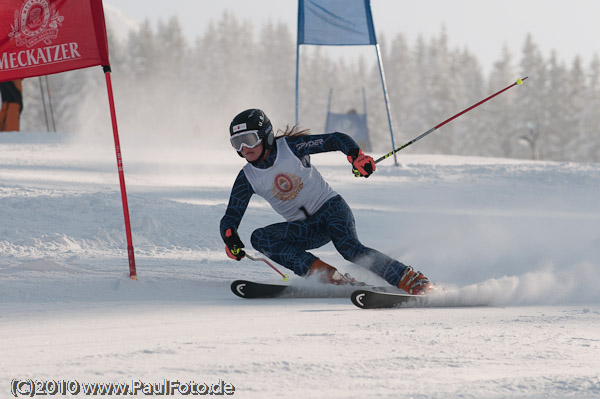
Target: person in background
(12, 105)
(279, 170)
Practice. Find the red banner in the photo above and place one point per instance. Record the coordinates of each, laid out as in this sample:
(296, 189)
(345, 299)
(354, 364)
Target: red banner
(42, 37)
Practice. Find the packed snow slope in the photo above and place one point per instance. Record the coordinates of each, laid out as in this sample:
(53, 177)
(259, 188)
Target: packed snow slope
(522, 236)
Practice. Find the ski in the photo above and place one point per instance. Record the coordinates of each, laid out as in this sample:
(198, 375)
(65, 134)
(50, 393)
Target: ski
(367, 299)
(253, 290)
(362, 295)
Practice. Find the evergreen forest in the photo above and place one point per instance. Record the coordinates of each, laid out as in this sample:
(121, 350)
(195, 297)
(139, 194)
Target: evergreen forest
(166, 85)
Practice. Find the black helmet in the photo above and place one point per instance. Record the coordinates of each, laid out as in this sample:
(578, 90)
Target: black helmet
(254, 119)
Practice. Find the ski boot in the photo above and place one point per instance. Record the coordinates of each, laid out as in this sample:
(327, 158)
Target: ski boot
(415, 283)
(328, 274)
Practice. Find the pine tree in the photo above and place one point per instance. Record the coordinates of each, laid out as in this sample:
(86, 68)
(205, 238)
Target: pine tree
(573, 113)
(591, 116)
(418, 109)
(275, 72)
(402, 85)
(498, 115)
(468, 84)
(316, 75)
(377, 118)
(441, 99)
(227, 65)
(552, 129)
(530, 110)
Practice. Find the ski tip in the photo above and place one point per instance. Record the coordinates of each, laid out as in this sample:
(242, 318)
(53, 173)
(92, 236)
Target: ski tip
(238, 286)
(520, 81)
(357, 298)
(369, 299)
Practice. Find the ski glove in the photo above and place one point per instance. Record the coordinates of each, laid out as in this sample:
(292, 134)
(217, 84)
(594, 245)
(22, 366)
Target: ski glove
(233, 245)
(362, 165)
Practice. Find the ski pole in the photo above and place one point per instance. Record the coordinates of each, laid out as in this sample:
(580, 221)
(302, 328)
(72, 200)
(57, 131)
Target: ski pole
(389, 154)
(285, 276)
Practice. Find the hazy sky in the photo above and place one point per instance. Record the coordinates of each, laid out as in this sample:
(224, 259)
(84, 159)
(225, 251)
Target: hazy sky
(569, 26)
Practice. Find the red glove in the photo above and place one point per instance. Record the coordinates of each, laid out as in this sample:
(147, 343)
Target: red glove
(233, 245)
(362, 165)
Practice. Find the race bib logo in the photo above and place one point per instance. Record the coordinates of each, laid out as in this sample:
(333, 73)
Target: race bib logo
(286, 187)
(36, 21)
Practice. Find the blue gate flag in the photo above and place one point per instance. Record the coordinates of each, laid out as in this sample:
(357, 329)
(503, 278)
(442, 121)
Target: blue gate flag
(335, 22)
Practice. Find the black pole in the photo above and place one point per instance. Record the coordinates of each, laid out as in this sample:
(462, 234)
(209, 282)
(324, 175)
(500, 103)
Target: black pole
(50, 103)
(44, 104)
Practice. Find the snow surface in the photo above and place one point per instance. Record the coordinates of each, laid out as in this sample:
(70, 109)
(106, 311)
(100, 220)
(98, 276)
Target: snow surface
(523, 236)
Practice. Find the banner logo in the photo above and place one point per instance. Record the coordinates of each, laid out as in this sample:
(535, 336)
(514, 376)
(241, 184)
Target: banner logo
(37, 21)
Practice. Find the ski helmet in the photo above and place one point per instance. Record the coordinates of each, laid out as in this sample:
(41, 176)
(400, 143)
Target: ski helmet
(253, 119)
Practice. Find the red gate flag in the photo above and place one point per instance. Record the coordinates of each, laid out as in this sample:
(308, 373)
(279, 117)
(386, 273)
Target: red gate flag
(42, 37)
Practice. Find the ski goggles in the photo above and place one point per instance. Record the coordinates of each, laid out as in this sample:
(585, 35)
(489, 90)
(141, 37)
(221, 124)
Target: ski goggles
(248, 138)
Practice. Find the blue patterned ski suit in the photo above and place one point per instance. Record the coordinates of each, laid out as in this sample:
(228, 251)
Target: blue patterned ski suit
(287, 242)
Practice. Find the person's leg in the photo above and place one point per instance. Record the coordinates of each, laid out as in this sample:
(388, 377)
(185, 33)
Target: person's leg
(338, 221)
(287, 243)
(12, 117)
(3, 113)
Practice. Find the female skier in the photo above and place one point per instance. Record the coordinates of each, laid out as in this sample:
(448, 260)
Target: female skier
(279, 170)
